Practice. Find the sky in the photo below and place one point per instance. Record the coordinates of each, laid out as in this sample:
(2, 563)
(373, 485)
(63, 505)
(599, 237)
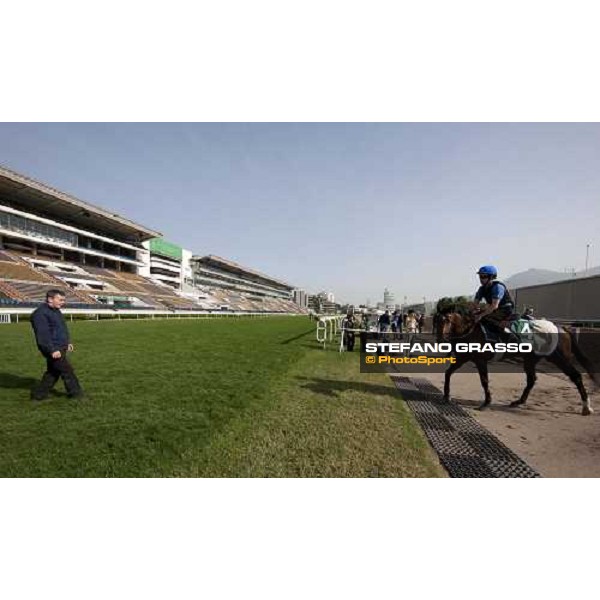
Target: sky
(349, 208)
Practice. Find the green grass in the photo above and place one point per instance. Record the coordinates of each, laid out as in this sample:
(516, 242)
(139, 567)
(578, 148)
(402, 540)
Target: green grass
(254, 397)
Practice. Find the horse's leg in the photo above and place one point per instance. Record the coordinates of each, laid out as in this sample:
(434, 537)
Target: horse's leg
(482, 369)
(453, 367)
(529, 366)
(574, 375)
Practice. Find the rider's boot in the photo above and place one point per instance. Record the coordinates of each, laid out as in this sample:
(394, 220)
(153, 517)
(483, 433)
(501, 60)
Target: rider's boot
(509, 337)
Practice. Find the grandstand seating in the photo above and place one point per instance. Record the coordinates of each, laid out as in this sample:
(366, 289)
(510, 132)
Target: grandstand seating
(5, 294)
(5, 256)
(22, 282)
(19, 272)
(147, 291)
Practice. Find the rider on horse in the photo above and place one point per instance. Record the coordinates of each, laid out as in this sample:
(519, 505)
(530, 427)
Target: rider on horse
(499, 305)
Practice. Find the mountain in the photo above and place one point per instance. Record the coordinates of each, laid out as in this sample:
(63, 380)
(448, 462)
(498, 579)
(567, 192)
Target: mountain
(540, 276)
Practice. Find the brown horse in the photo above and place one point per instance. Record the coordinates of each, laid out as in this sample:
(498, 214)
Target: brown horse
(458, 327)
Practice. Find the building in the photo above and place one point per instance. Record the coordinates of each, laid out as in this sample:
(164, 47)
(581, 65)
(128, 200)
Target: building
(49, 239)
(568, 300)
(41, 222)
(234, 284)
(300, 297)
(321, 304)
(388, 299)
(217, 272)
(165, 263)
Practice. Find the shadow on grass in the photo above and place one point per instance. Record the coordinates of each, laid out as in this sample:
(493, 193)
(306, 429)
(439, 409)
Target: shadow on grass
(333, 387)
(10, 381)
(296, 337)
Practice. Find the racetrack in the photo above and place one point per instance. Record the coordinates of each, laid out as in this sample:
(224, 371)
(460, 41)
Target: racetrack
(549, 433)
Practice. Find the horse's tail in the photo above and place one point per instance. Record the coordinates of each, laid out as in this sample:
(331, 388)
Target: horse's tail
(582, 358)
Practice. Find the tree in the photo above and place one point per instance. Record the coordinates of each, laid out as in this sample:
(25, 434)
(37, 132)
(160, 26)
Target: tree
(452, 303)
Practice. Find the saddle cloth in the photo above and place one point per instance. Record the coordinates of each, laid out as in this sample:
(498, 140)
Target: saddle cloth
(539, 332)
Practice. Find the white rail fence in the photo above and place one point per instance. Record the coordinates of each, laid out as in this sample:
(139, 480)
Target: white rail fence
(11, 315)
(327, 328)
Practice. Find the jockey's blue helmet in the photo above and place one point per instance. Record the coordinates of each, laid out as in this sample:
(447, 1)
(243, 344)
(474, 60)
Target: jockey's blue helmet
(488, 270)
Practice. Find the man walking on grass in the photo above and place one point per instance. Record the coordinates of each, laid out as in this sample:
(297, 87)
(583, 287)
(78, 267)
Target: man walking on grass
(52, 337)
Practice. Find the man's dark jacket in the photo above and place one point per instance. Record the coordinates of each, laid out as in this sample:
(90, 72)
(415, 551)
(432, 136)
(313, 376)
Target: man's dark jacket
(384, 319)
(51, 333)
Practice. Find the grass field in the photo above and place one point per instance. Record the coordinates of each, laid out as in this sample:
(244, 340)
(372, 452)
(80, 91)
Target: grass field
(250, 398)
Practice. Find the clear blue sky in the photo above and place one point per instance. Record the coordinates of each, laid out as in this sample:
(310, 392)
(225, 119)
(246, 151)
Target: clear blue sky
(348, 208)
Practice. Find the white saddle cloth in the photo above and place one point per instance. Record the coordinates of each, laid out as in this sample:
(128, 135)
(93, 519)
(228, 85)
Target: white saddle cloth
(543, 335)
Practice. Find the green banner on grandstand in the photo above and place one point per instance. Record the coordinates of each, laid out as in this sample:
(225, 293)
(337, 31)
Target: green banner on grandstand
(164, 248)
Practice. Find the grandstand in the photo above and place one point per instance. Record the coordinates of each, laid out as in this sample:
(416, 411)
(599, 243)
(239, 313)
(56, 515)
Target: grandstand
(240, 288)
(49, 239)
(166, 263)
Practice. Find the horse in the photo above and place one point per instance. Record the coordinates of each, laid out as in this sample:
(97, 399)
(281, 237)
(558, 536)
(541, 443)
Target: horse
(455, 326)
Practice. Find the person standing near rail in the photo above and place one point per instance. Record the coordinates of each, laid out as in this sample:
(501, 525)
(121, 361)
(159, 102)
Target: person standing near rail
(53, 341)
(384, 322)
(350, 325)
(396, 326)
(421, 323)
(411, 322)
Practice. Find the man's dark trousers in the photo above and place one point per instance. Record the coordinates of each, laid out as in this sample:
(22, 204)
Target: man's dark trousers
(56, 368)
(350, 337)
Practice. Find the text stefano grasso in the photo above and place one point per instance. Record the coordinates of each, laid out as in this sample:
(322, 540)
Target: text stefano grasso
(444, 347)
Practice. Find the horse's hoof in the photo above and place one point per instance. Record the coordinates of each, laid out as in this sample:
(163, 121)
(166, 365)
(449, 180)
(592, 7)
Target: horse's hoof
(446, 399)
(515, 404)
(483, 406)
(587, 410)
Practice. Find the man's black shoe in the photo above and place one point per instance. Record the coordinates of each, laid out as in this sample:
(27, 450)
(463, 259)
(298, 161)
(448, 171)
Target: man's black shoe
(78, 396)
(39, 398)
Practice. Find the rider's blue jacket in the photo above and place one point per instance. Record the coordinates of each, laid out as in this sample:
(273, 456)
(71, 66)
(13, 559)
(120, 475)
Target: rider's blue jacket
(497, 290)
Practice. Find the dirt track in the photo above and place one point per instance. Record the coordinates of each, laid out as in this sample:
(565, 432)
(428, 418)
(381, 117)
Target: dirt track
(549, 433)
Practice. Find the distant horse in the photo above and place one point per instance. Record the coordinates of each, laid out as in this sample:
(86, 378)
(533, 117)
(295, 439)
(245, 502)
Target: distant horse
(458, 327)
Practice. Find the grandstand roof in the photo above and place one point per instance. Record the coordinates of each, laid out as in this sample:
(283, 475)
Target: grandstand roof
(211, 259)
(36, 197)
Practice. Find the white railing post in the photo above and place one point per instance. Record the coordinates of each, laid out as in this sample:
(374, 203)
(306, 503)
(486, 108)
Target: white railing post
(321, 332)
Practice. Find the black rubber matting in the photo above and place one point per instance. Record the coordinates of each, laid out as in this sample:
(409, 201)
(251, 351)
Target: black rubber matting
(465, 448)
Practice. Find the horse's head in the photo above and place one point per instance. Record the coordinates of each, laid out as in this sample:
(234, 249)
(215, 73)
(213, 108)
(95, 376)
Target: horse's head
(452, 324)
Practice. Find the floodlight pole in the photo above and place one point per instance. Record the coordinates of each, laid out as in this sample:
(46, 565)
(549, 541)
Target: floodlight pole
(587, 256)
